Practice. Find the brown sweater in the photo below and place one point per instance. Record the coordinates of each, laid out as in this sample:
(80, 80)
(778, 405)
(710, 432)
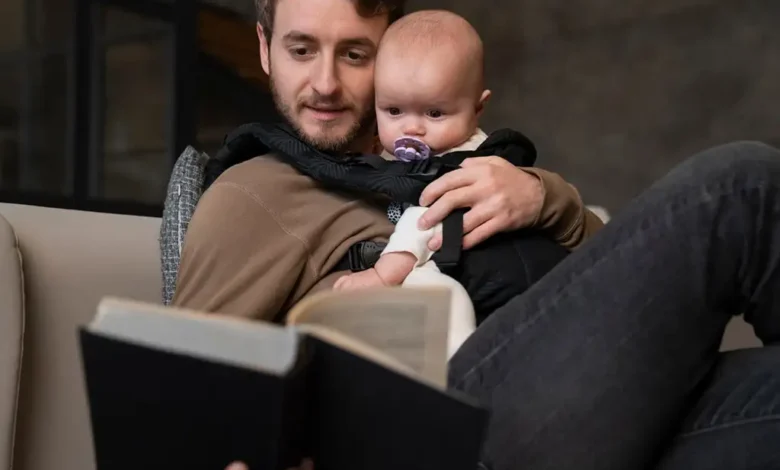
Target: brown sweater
(263, 236)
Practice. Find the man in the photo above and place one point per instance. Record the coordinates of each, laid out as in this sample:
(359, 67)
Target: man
(264, 236)
(610, 361)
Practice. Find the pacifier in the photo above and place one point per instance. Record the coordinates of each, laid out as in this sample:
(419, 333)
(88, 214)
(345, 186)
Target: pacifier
(409, 149)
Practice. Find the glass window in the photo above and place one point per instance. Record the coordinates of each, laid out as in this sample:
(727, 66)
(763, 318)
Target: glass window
(10, 123)
(12, 20)
(232, 87)
(44, 131)
(34, 91)
(51, 22)
(225, 101)
(133, 100)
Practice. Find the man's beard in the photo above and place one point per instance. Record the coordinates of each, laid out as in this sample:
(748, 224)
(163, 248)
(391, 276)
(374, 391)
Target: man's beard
(324, 142)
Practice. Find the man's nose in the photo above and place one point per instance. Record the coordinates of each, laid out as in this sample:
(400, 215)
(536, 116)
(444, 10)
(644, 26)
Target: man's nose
(326, 80)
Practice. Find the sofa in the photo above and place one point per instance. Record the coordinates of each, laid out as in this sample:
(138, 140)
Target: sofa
(55, 266)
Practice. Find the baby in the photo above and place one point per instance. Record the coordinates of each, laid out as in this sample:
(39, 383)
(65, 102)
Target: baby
(429, 90)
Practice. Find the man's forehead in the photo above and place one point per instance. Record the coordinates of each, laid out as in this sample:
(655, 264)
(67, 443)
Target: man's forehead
(327, 21)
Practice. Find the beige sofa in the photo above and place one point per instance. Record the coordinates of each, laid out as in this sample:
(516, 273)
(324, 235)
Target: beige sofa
(55, 265)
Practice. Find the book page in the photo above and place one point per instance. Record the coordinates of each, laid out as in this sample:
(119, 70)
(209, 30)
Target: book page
(408, 324)
(259, 346)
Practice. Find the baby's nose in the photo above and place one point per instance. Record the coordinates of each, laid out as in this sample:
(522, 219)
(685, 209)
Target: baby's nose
(414, 128)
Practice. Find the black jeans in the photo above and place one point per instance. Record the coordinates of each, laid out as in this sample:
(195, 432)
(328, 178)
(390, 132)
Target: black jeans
(611, 361)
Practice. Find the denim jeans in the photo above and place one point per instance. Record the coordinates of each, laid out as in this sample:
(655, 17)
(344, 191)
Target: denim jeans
(612, 360)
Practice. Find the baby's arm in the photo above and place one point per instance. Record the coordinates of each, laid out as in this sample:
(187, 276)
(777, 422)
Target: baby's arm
(392, 268)
(407, 248)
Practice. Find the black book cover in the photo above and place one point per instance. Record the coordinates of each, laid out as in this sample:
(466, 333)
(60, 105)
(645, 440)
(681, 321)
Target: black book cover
(153, 409)
(367, 417)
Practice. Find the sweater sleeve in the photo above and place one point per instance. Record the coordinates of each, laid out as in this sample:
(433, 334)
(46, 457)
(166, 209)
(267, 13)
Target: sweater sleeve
(238, 259)
(410, 239)
(563, 214)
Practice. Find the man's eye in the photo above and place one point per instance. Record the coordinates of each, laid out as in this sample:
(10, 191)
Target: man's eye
(435, 114)
(355, 56)
(300, 51)
(393, 111)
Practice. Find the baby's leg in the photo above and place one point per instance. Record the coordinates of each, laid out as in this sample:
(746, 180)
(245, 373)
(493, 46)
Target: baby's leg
(462, 317)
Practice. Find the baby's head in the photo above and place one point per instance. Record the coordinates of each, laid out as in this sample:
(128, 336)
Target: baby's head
(429, 80)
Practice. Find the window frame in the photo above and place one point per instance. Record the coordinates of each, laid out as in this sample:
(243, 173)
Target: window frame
(86, 82)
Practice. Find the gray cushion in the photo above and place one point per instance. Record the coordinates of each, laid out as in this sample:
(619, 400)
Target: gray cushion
(184, 189)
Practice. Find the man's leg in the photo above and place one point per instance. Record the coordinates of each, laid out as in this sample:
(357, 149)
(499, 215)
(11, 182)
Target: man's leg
(736, 422)
(596, 364)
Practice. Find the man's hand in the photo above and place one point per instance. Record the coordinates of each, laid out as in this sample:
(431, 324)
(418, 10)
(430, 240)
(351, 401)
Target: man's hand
(500, 198)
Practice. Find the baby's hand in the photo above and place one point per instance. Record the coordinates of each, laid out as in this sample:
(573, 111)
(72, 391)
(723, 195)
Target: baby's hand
(359, 280)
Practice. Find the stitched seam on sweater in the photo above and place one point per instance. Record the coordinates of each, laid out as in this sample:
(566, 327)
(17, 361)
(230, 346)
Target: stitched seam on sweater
(276, 218)
(580, 220)
(538, 217)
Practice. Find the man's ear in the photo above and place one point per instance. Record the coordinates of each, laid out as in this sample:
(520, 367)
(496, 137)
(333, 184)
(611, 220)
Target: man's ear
(482, 102)
(263, 49)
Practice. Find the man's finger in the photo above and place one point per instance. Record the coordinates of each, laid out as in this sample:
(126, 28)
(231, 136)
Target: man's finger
(448, 182)
(237, 466)
(444, 206)
(475, 217)
(481, 233)
(476, 161)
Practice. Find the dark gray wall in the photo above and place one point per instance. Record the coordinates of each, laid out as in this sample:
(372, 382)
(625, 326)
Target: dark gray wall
(615, 92)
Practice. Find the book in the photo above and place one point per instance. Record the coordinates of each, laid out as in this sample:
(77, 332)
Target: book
(354, 381)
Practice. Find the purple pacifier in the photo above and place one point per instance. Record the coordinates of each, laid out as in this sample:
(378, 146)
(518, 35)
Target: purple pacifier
(409, 149)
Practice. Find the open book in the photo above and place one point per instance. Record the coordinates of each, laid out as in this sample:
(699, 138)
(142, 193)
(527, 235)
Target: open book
(355, 381)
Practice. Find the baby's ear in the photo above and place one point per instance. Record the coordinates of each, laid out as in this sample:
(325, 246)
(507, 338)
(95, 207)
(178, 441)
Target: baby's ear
(482, 102)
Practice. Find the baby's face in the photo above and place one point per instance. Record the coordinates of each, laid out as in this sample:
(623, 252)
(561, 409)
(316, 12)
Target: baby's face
(424, 99)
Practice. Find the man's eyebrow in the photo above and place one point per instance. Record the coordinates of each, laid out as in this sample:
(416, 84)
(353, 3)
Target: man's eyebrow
(361, 42)
(297, 36)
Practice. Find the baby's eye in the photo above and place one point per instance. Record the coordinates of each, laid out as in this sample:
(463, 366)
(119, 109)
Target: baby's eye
(435, 114)
(393, 111)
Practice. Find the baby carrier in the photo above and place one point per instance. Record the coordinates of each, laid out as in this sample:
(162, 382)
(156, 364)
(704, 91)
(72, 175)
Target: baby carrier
(493, 272)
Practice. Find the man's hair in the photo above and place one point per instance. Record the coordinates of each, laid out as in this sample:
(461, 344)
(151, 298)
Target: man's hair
(394, 9)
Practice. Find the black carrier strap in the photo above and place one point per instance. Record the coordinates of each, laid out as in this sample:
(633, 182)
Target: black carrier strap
(401, 181)
(448, 255)
(364, 255)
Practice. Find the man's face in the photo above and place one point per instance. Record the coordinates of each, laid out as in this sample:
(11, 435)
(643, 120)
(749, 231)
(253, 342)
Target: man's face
(321, 66)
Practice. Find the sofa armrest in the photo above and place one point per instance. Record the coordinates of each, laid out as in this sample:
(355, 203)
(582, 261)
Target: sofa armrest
(11, 338)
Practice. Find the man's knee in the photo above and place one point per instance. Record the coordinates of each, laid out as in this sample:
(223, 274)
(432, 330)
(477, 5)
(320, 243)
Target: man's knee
(734, 160)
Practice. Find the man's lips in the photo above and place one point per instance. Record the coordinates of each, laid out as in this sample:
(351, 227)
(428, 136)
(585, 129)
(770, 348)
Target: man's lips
(325, 113)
